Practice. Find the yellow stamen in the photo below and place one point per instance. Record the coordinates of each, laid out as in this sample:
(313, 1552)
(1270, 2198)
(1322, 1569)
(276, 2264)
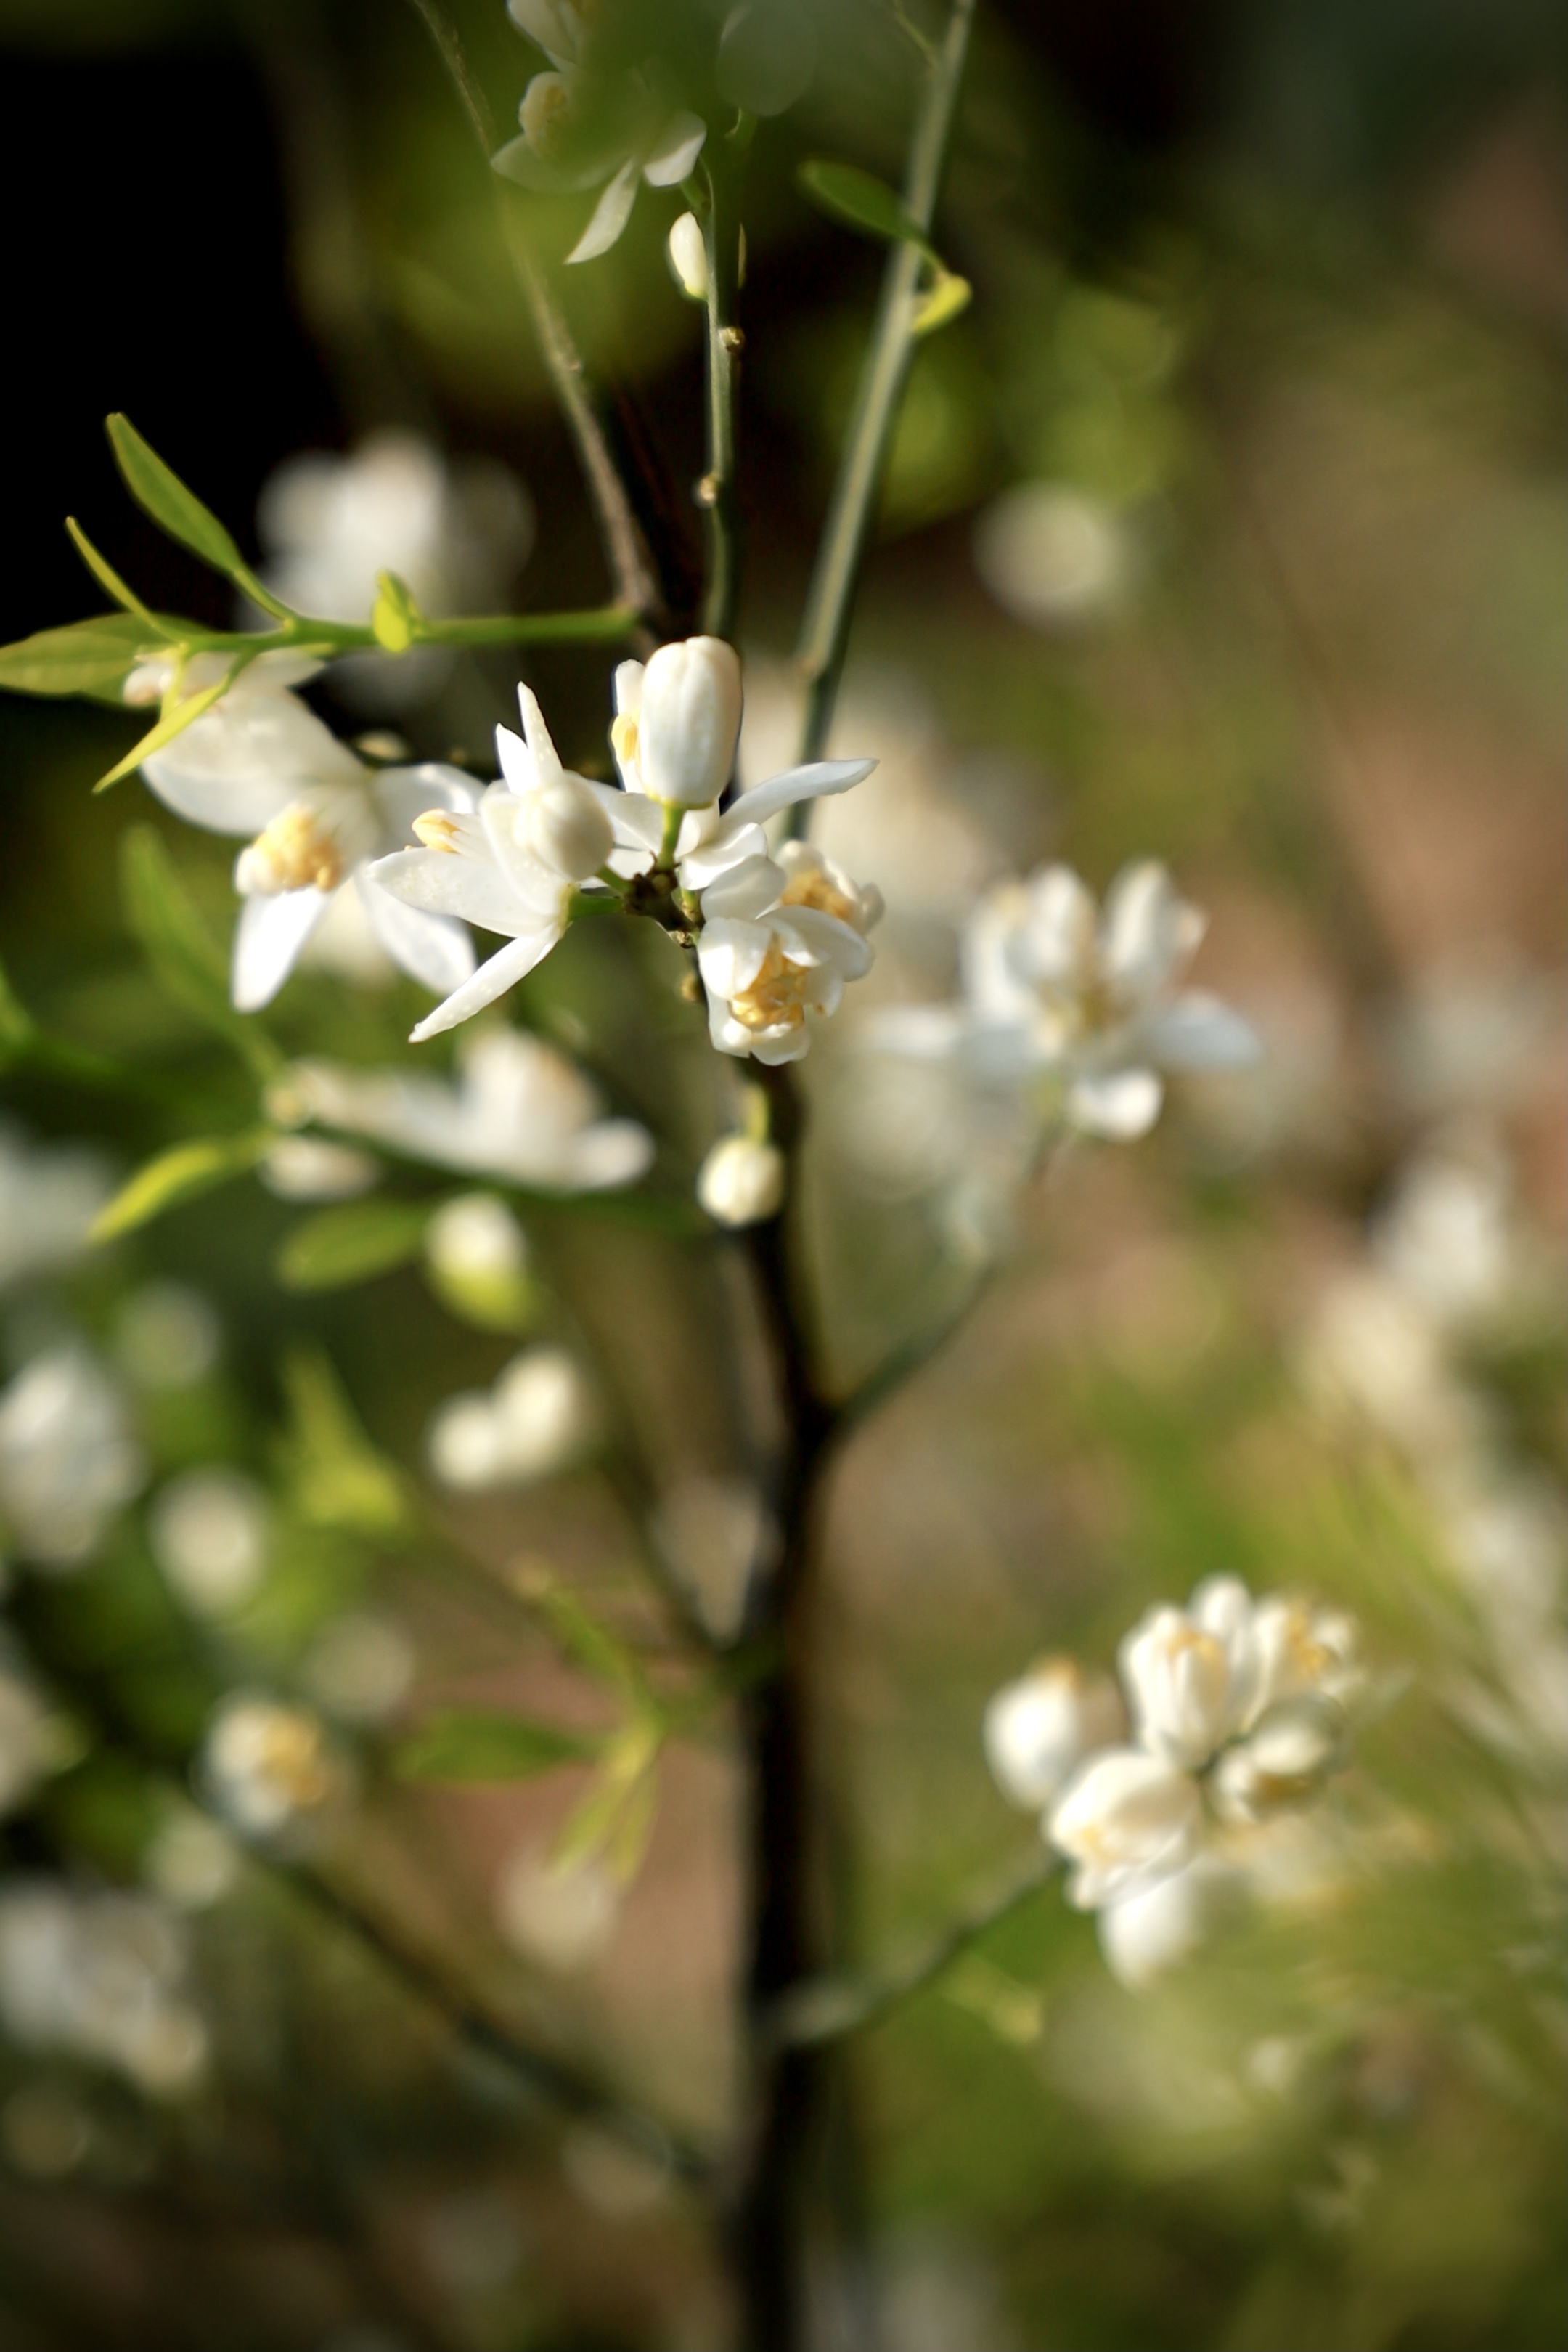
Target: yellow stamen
(293, 1754)
(811, 888)
(295, 852)
(437, 828)
(623, 739)
(777, 996)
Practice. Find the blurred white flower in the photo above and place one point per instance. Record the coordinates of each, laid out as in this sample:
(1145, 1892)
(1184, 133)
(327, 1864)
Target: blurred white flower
(67, 1458)
(304, 1168)
(742, 1180)
(455, 531)
(562, 1916)
(1303, 1649)
(191, 1860)
(260, 762)
(101, 1977)
(715, 1534)
(1448, 1236)
(359, 1667)
(1154, 1928)
(1054, 988)
(268, 1768)
(536, 1419)
(779, 940)
(1039, 1727)
(1191, 1675)
(208, 1530)
(579, 127)
(507, 859)
(1284, 1759)
(1056, 557)
(519, 1111)
(1372, 1353)
(1124, 1818)
(49, 1195)
(167, 1337)
(1476, 1032)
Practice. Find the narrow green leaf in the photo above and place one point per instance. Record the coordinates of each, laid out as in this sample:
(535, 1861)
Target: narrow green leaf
(476, 1743)
(86, 657)
(177, 717)
(18, 1027)
(173, 507)
(108, 578)
(944, 300)
(581, 1634)
(187, 960)
(394, 616)
(176, 1175)
(339, 1478)
(862, 202)
(352, 1242)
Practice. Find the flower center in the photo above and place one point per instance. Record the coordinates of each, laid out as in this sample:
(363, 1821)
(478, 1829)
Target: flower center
(297, 852)
(437, 828)
(812, 887)
(291, 1755)
(778, 996)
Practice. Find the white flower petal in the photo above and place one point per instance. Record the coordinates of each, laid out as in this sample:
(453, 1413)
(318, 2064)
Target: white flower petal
(268, 938)
(813, 936)
(744, 891)
(675, 149)
(638, 821)
(431, 949)
(448, 884)
(611, 1151)
(1199, 1033)
(504, 969)
(610, 214)
(1121, 1105)
(1146, 931)
(404, 793)
(705, 862)
(515, 759)
(730, 954)
(817, 781)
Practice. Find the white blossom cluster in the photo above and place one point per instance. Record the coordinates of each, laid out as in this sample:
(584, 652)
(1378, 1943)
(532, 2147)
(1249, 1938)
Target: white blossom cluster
(1231, 1712)
(101, 1977)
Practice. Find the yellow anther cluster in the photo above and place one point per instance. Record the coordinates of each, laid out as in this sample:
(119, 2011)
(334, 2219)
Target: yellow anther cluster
(812, 887)
(294, 1755)
(779, 993)
(295, 852)
(623, 739)
(438, 830)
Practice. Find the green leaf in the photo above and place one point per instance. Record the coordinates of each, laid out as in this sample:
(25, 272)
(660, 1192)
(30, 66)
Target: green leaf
(182, 953)
(861, 201)
(352, 1242)
(18, 1027)
(394, 616)
(339, 1480)
(173, 507)
(581, 1634)
(177, 717)
(87, 657)
(944, 300)
(108, 578)
(476, 1743)
(176, 1175)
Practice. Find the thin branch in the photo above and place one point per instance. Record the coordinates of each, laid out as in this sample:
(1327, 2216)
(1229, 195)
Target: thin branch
(718, 491)
(910, 1358)
(828, 2008)
(825, 626)
(630, 569)
(572, 2090)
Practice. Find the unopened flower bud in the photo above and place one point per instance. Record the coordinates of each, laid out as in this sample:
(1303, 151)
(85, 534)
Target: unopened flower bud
(1040, 1727)
(688, 258)
(1123, 1820)
(741, 1181)
(1285, 1760)
(564, 827)
(689, 722)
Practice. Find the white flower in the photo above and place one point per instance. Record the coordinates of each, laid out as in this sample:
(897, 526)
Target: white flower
(508, 861)
(474, 1241)
(67, 1459)
(208, 1531)
(1039, 1727)
(562, 1916)
(303, 1168)
(359, 1667)
(267, 1766)
(1124, 1818)
(1191, 1675)
(99, 1976)
(1155, 1927)
(191, 1862)
(779, 940)
(742, 1180)
(259, 763)
(49, 1195)
(1283, 1762)
(453, 533)
(579, 127)
(519, 1110)
(1054, 556)
(1447, 1238)
(536, 1420)
(1303, 1649)
(677, 721)
(1053, 987)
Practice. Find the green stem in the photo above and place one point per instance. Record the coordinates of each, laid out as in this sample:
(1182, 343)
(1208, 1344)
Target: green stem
(718, 491)
(829, 606)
